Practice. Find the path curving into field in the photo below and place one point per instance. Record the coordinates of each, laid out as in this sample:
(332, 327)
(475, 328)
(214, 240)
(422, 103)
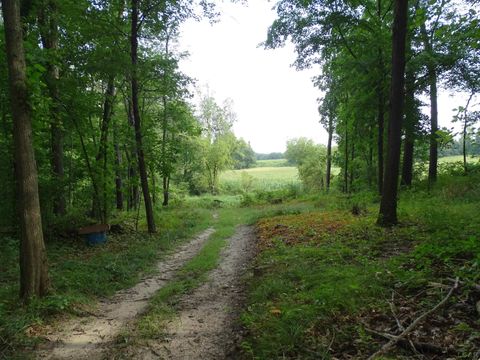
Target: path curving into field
(86, 338)
(207, 324)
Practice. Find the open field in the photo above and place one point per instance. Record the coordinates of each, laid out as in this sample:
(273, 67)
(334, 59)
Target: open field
(260, 178)
(455, 158)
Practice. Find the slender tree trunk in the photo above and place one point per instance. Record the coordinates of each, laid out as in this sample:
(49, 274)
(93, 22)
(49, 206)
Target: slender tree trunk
(371, 171)
(381, 109)
(34, 279)
(166, 183)
(136, 114)
(465, 145)
(433, 159)
(118, 171)
(103, 145)
(164, 148)
(352, 174)
(432, 82)
(345, 174)
(91, 173)
(154, 185)
(388, 204)
(465, 129)
(410, 123)
(329, 152)
(380, 141)
(49, 37)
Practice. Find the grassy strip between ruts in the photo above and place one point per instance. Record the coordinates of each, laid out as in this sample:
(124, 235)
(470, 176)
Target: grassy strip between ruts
(163, 306)
(326, 278)
(81, 274)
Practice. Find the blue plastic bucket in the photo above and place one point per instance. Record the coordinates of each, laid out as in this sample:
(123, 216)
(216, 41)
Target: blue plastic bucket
(96, 238)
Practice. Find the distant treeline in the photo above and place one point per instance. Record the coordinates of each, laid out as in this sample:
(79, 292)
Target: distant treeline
(472, 145)
(271, 156)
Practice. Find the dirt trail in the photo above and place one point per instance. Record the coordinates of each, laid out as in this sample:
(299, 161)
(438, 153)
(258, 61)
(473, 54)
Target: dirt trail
(86, 338)
(207, 325)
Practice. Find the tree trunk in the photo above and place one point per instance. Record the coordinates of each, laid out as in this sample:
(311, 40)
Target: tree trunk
(136, 115)
(118, 171)
(166, 185)
(329, 152)
(345, 174)
(352, 174)
(433, 159)
(381, 131)
(410, 122)
(432, 82)
(103, 145)
(388, 205)
(465, 129)
(49, 37)
(381, 108)
(34, 279)
(91, 173)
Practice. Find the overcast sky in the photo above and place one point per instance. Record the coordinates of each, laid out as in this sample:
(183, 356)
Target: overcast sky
(272, 100)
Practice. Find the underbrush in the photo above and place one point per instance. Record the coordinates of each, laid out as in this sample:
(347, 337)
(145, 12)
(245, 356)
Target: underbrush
(80, 274)
(330, 283)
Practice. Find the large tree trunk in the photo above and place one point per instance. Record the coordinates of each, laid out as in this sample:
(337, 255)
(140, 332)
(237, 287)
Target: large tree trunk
(136, 115)
(33, 260)
(329, 152)
(388, 205)
(49, 36)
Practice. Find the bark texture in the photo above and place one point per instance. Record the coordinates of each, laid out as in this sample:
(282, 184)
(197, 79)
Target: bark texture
(388, 205)
(329, 152)
(411, 121)
(136, 115)
(49, 37)
(34, 279)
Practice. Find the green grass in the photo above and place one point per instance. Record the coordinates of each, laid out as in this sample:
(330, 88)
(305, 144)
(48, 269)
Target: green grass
(320, 275)
(455, 158)
(81, 274)
(282, 174)
(258, 179)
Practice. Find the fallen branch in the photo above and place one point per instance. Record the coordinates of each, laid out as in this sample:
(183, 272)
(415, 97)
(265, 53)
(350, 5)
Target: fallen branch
(421, 346)
(399, 324)
(414, 324)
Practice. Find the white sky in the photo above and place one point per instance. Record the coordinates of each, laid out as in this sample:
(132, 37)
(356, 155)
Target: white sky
(272, 100)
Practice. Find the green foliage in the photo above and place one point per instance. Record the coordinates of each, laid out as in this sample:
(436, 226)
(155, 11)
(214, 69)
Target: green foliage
(310, 160)
(243, 155)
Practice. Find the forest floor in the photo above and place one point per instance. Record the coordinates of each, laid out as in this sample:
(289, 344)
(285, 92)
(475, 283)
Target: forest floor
(205, 326)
